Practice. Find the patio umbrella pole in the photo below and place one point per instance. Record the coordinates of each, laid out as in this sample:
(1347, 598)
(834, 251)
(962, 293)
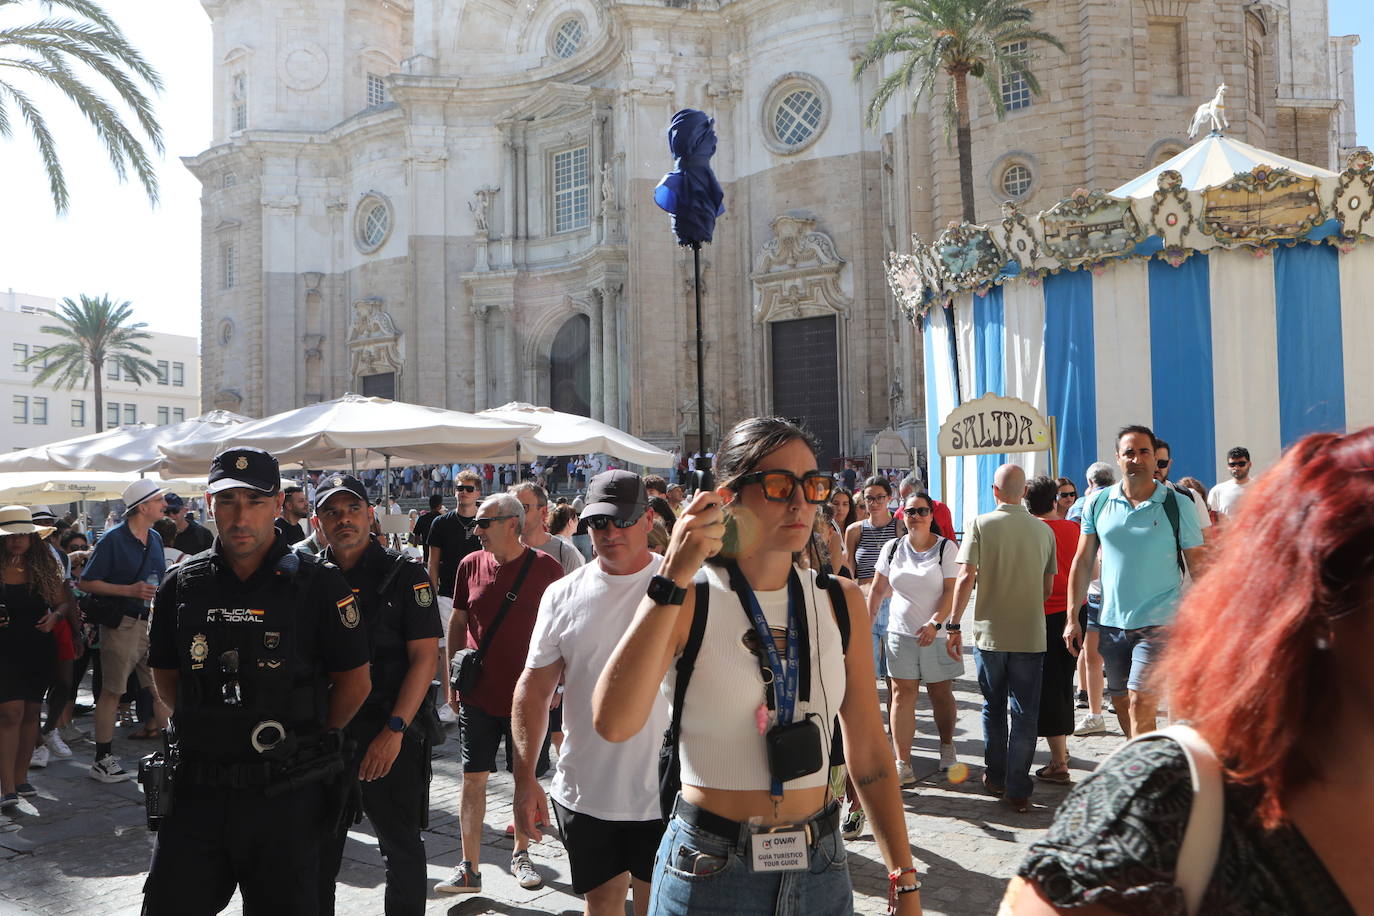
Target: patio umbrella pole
(701, 464)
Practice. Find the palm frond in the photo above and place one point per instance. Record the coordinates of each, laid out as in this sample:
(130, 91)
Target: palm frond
(47, 148)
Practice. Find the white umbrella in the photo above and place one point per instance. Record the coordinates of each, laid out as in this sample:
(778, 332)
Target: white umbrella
(34, 487)
(570, 434)
(344, 430)
(131, 448)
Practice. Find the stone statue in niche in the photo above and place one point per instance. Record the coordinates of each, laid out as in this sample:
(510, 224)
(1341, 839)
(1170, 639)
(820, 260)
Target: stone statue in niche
(374, 341)
(608, 204)
(478, 207)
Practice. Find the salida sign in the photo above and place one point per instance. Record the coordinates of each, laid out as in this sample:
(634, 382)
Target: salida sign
(993, 425)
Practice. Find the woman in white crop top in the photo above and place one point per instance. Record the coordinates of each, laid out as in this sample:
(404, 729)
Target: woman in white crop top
(734, 843)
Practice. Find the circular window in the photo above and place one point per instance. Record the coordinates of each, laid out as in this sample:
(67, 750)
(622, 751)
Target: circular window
(567, 39)
(795, 112)
(1016, 181)
(373, 223)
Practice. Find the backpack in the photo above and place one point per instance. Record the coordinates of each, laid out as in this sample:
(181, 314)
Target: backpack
(669, 763)
(1094, 508)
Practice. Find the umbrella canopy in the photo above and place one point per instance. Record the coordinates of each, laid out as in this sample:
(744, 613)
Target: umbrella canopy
(1212, 161)
(570, 434)
(124, 449)
(30, 487)
(690, 191)
(345, 430)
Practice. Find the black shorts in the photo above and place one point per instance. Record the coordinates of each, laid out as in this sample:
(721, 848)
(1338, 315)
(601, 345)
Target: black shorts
(601, 850)
(480, 735)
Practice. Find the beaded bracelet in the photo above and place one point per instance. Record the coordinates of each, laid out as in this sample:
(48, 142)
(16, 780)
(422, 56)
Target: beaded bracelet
(893, 889)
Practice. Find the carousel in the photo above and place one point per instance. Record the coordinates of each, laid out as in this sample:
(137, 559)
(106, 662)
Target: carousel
(1222, 298)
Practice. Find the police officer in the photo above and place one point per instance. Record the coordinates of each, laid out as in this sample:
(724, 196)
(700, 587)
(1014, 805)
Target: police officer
(265, 654)
(391, 757)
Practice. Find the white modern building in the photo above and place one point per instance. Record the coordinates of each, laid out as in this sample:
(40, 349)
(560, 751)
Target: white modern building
(46, 413)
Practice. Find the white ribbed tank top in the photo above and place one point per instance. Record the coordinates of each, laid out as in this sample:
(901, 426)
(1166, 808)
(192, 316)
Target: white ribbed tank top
(720, 745)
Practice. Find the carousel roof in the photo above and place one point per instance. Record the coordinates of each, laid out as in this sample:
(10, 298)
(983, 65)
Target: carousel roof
(1212, 161)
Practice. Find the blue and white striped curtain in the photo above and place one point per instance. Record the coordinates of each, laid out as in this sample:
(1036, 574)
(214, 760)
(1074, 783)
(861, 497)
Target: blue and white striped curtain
(1226, 349)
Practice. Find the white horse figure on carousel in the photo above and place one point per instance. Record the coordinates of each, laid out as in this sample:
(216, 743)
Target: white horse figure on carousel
(1215, 111)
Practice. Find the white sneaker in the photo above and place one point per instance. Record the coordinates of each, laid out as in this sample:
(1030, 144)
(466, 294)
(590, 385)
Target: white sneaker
(947, 756)
(39, 759)
(523, 870)
(107, 769)
(447, 715)
(1091, 725)
(905, 777)
(55, 744)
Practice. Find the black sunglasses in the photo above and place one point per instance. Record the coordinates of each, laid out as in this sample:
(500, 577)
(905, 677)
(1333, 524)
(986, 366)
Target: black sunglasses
(1069, 494)
(599, 522)
(1162, 463)
(485, 523)
(465, 488)
(778, 486)
(922, 511)
(1237, 464)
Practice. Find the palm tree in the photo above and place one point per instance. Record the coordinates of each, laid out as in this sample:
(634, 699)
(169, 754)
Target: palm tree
(94, 332)
(56, 52)
(959, 38)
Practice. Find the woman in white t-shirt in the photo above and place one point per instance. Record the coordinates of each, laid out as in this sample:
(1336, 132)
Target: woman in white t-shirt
(918, 572)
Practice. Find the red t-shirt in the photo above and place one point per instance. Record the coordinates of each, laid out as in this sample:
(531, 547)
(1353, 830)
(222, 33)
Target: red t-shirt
(480, 588)
(1065, 545)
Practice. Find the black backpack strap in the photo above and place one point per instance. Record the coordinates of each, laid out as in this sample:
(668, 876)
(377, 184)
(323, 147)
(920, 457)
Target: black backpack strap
(838, 606)
(688, 659)
(1171, 512)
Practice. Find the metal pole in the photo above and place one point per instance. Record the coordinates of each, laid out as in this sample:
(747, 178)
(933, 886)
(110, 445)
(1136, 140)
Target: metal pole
(1054, 448)
(701, 363)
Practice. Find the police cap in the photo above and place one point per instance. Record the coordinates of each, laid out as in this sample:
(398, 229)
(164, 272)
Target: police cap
(248, 468)
(335, 484)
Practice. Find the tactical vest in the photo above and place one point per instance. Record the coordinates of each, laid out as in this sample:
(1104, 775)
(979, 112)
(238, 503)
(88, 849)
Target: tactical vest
(390, 663)
(241, 660)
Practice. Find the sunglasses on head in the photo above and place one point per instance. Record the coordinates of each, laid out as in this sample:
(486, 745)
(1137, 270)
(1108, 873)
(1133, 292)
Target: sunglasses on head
(778, 486)
(485, 523)
(922, 511)
(600, 522)
(1069, 494)
(1237, 464)
(465, 488)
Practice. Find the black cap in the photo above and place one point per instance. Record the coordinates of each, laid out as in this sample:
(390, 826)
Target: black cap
(616, 493)
(334, 484)
(172, 501)
(248, 468)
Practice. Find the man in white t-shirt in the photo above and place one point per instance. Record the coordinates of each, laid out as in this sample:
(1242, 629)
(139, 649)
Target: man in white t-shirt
(1225, 496)
(605, 795)
(1163, 467)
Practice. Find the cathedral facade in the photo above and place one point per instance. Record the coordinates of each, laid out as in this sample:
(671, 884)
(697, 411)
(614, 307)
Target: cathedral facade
(450, 201)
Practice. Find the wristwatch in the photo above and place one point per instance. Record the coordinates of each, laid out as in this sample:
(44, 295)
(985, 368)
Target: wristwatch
(396, 724)
(934, 625)
(952, 627)
(663, 590)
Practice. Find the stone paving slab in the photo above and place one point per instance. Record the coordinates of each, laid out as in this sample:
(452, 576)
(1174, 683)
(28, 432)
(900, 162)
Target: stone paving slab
(90, 849)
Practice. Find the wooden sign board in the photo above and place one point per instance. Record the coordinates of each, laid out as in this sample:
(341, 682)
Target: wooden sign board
(993, 425)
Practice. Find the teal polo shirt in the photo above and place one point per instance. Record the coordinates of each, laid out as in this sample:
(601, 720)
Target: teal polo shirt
(1140, 577)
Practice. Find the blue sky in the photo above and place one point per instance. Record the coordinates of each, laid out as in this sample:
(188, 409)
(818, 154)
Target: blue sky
(113, 241)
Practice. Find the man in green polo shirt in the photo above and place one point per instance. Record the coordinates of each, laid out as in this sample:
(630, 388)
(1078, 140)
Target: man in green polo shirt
(1141, 578)
(1010, 555)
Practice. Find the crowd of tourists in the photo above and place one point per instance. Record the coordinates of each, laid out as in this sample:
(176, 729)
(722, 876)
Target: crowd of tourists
(718, 762)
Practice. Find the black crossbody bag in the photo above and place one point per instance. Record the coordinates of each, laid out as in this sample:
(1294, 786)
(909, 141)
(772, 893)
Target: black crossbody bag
(466, 668)
(110, 610)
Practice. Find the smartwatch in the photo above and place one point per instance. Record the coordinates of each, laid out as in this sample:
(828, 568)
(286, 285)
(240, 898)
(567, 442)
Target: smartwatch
(396, 724)
(663, 590)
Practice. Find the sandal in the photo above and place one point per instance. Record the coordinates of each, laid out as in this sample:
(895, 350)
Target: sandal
(1059, 775)
(146, 733)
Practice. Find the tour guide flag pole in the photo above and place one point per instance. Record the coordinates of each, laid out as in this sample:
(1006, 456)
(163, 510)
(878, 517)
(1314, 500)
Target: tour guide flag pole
(692, 195)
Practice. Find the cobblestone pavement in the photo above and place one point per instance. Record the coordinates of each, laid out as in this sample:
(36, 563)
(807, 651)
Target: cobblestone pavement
(81, 847)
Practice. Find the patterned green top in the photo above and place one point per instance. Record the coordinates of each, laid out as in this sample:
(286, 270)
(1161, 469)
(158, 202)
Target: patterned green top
(1115, 842)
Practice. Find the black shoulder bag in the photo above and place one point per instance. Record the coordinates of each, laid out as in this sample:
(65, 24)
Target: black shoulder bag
(110, 610)
(466, 668)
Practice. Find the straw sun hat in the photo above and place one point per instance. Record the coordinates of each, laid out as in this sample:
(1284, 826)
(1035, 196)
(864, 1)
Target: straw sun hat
(19, 520)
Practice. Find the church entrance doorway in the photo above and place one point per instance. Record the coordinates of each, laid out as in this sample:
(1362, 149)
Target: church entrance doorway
(806, 379)
(570, 360)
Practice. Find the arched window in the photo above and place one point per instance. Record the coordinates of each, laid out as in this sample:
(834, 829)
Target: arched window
(567, 38)
(570, 382)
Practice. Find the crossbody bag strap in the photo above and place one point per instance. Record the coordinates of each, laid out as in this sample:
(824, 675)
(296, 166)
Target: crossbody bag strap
(688, 659)
(511, 595)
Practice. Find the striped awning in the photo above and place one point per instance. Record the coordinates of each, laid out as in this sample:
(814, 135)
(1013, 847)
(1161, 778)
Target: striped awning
(1212, 161)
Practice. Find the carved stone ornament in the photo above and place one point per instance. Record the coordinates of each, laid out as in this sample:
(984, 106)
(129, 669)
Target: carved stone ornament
(374, 342)
(799, 273)
(1090, 226)
(968, 255)
(1261, 205)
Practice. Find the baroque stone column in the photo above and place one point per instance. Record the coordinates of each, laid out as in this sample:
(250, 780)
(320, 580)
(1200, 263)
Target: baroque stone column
(595, 395)
(511, 371)
(479, 358)
(609, 294)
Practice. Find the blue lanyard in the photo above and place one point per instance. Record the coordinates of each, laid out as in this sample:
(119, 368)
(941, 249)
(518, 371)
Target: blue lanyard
(782, 685)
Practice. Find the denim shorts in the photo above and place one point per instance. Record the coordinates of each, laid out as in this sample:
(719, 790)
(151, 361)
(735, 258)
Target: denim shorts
(908, 660)
(879, 638)
(1129, 657)
(698, 872)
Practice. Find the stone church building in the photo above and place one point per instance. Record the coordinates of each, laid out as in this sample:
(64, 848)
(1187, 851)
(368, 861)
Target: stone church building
(450, 201)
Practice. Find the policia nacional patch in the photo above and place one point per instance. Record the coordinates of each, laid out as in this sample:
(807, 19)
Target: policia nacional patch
(424, 595)
(348, 612)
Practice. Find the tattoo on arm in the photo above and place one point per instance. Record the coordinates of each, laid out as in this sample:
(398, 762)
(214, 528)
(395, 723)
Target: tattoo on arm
(871, 778)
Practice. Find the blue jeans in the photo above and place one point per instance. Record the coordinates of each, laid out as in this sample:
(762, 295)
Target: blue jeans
(1007, 757)
(698, 872)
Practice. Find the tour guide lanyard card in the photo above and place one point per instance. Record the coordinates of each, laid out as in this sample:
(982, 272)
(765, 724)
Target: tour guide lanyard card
(793, 748)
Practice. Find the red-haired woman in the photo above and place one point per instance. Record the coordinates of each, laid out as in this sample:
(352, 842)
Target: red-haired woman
(1269, 661)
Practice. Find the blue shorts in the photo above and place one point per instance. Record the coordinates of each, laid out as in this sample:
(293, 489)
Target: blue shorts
(1129, 657)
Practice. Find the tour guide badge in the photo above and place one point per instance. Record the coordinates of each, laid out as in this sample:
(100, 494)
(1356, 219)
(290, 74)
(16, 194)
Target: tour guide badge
(200, 650)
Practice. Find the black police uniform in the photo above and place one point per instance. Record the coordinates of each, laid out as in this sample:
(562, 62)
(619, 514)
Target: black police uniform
(248, 653)
(397, 606)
